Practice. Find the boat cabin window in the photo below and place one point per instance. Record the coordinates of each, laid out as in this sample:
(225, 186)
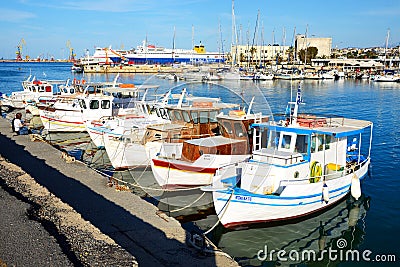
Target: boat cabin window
(320, 142)
(82, 103)
(105, 104)
(239, 129)
(328, 140)
(227, 127)
(177, 115)
(286, 139)
(204, 117)
(301, 144)
(213, 116)
(273, 139)
(72, 90)
(94, 104)
(195, 116)
(186, 116)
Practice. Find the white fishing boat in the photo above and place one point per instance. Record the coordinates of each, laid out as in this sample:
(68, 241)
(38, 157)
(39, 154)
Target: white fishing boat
(289, 74)
(69, 114)
(387, 76)
(201, 146)
(312, 237)
(115, 127)
(307, 164)
(259, 76)
(33, 89)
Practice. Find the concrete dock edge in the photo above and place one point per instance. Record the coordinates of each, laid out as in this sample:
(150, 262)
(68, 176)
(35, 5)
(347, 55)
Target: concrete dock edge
(120, 221)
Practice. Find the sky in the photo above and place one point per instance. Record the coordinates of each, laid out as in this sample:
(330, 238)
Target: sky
(48, 27)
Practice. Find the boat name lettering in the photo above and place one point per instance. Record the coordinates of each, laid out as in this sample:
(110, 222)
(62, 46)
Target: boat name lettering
(243, 198)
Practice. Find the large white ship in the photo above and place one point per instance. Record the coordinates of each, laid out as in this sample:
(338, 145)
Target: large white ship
(151, 54)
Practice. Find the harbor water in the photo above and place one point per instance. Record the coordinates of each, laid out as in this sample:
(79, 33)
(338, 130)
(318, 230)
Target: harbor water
(371, 225)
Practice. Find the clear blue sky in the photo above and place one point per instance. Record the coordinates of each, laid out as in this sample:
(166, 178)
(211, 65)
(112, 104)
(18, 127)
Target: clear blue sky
(46, 26)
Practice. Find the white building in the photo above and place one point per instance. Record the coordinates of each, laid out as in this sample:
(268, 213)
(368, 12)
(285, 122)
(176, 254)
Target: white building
(324, 45)
(247, 54)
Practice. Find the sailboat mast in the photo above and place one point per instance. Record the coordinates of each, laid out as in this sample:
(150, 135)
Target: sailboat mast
(386, 47)
(173, 48)
(191, 53)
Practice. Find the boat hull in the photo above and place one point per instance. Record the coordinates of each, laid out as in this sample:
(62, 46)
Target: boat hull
(70, 121)
(173, 173)
(240, 207)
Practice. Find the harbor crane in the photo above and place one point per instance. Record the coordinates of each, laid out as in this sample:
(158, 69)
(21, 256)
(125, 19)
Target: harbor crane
(71, 56)
(20, 45)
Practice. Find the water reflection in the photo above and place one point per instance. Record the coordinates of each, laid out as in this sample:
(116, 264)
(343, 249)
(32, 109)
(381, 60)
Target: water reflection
(343, 223)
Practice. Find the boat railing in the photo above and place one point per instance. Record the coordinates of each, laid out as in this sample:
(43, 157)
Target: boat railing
(312, 120)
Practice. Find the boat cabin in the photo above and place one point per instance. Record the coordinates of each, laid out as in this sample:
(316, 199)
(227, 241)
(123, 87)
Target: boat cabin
(326, 147)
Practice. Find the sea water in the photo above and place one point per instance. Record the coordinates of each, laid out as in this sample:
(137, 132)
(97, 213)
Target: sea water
(372, 227)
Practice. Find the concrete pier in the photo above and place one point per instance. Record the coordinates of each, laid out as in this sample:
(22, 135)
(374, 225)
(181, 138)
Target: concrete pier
(114, 227)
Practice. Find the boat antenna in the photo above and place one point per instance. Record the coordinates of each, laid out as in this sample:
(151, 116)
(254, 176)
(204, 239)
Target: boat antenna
(165, 99)
(181, 98)
(115, 80)
(145, 94)
(250, 106)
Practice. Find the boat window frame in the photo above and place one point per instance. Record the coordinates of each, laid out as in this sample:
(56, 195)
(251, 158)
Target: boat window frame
(105, 104)
(92, 104)
(285, 146)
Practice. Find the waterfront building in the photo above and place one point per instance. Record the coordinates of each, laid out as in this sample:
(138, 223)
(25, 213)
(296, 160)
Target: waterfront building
(324, 45)
(244, 55)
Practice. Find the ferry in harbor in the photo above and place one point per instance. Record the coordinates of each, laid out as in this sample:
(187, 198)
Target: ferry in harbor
(151, 54)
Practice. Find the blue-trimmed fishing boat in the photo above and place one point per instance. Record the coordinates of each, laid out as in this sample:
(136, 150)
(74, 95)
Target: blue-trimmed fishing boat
(300, 164)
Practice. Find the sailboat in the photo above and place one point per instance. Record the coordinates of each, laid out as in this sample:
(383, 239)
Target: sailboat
(387, 75)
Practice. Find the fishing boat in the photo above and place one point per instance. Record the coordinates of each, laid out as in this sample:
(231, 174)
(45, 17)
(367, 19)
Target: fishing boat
(151, 54)
(289, 74)
(116, 126)
(309, 239)
(99, 99)
(33, 89)
(203, 141)
(300, 164)
(387, 76)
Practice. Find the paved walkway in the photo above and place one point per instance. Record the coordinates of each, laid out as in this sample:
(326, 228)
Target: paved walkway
(131, 222)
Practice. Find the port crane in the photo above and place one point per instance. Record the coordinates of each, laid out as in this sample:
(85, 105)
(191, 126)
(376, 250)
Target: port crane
(20, 45)
(71, 56)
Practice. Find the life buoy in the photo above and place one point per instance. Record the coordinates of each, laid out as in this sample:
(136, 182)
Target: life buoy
(315, 172)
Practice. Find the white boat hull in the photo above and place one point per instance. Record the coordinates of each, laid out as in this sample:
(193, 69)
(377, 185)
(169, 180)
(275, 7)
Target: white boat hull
(67, 121)
(237, 207)
(172, 173)
(129, 155)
